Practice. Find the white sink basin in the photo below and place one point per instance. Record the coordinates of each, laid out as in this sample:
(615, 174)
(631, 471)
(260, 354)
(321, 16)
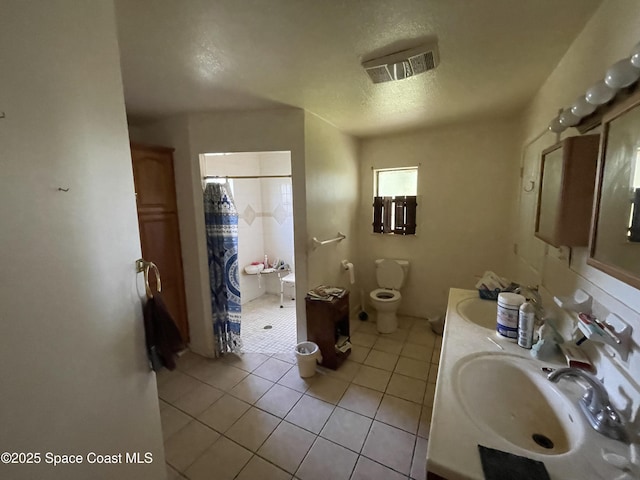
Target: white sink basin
(483, 313)
(506, 395)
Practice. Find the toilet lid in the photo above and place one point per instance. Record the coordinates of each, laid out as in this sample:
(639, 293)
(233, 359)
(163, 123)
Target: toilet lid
(389, 274)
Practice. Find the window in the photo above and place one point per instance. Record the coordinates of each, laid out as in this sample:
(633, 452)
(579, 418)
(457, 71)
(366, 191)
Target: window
(394, 203)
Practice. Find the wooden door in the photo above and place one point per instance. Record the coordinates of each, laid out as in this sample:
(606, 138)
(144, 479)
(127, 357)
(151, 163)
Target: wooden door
(154, 180)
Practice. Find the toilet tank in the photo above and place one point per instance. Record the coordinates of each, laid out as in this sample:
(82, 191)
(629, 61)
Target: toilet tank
(391, 273)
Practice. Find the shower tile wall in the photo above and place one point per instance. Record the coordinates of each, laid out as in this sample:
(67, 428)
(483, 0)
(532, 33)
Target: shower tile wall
(265, 225)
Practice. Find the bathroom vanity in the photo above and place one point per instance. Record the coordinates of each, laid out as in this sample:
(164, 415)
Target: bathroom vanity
(491, 392)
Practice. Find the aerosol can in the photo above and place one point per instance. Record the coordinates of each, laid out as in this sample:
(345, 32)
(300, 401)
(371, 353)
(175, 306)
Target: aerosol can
(526, 319)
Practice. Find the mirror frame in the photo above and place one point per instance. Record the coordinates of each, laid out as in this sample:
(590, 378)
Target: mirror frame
(615, 271)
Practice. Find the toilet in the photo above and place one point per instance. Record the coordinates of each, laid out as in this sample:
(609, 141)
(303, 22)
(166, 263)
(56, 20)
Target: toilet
(390, 275)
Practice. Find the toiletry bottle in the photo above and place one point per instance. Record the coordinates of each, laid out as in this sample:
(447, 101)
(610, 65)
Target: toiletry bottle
(266, 261)
(526, 319)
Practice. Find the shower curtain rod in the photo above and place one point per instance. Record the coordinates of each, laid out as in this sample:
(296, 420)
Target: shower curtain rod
(246, 176)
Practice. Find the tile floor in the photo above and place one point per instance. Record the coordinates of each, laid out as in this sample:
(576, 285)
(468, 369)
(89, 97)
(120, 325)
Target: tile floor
(252, 417)
(265, 310)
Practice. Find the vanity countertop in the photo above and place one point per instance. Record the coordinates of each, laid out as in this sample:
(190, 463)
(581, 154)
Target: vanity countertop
(455, 436)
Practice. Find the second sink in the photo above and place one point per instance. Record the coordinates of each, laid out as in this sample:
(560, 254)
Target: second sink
(505, 396)
(481, 312)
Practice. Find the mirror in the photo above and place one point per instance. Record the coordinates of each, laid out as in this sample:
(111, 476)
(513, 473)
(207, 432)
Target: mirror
(614, 245)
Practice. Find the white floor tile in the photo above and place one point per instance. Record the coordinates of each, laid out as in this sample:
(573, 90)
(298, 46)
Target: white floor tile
(273, 369)
(408, 388)
(388, 345)
(413, 368)
(425, 422)
(382, 360)
(176, 386)
(361, 400)
(199, 399)
(245, 361)
(390, 446)
(363, 339)
(224, 413)
(172, 420)
(419, 464)
(399, 413)
(251, 388)
(257, 468)
(287, 446)
(279, 400)
(417, 352)
(347, 428)
(369, 470)
(310, 413)
(182, 449)
(327, 460)
(225, 377)
(373, 378)
(221, 461)
(253, 428)
(328, 389)
(347, 371)
(359, 353)
(293, 380)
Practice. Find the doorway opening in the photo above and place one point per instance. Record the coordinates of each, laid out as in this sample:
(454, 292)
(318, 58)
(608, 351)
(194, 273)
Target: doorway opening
(260, 183)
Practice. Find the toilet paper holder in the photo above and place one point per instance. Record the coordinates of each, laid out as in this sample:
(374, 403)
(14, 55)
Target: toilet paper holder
(348, 266)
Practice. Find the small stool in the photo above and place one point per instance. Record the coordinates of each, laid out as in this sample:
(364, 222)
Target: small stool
(290, 281)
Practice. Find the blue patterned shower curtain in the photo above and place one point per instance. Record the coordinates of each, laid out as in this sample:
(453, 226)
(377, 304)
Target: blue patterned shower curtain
(221, 221)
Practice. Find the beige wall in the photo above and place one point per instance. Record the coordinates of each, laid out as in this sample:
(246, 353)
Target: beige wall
(319, 154)
(332, 187)
(608, 36)
(75, 377)
(467, 180)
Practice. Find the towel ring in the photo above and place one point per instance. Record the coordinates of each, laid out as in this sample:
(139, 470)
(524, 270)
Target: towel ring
(143, 266)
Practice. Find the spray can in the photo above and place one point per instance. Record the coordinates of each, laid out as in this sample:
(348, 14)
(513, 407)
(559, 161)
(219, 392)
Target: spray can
(526, 319)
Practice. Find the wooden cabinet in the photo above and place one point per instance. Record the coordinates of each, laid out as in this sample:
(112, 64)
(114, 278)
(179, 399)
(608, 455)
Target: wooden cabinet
(565, 198)
(158, 222)
(326, 323)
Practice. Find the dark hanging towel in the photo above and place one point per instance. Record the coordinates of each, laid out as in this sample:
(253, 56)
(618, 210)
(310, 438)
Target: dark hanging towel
(162, 335)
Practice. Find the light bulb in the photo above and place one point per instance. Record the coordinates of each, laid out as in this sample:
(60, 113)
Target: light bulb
(635, 56)
(555, 126)
(621, 74)
(568, 119)
(600, 93)
(582, 108)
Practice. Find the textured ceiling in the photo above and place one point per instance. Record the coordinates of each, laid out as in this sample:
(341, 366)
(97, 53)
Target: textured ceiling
(199, 55)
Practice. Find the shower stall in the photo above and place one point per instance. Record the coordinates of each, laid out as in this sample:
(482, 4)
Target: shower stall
(260, 183)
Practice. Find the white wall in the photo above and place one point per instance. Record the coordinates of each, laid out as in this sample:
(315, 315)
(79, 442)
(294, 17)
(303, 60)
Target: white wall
(607, 37)
(467, 182)
(249, 131)
(333, 190)
(73, 366)
(265, 208)
(325, 191)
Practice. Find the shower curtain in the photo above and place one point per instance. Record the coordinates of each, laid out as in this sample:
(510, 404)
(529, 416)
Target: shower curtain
(221, 221)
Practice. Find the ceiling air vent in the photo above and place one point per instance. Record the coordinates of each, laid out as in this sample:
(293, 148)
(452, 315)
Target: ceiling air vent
(403, 64)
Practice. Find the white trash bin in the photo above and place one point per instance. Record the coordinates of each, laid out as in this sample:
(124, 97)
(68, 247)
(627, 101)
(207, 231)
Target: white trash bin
(307, 353)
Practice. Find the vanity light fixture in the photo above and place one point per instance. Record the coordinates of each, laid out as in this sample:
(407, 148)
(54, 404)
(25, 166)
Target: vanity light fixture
(621, 74)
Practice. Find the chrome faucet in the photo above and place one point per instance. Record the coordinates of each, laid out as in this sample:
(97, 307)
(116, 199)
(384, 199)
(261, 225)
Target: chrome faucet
(595, 405)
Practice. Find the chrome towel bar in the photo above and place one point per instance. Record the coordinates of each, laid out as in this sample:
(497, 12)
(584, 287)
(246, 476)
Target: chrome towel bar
(317, 243)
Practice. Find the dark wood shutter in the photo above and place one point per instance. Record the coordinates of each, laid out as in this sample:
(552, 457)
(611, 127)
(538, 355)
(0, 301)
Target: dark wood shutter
(401, 209)
(377, 215)
(410, 215)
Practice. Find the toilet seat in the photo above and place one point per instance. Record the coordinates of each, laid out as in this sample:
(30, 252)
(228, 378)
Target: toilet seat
(385, 295)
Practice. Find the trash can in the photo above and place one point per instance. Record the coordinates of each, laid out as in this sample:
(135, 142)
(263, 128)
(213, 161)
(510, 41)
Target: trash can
(307, 353)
